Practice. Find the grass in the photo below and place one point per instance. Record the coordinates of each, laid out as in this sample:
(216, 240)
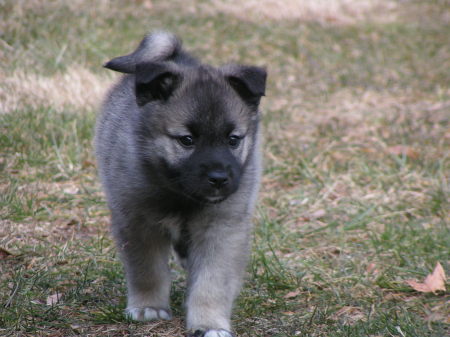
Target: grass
(355, 194)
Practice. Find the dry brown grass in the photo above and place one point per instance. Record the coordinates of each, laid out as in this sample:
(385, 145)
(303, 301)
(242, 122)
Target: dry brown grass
(76, 87)
(324, 11)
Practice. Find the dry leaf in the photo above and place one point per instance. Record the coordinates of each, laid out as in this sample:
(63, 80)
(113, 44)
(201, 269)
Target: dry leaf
(53, 299)
(402, 150)
(314, 215)
(318, 214)
(292, 294)
(288, 313)
(88, 163)
(72, 222)
(371, 268)
(75, 326)
(350, 315)
(148, 4)
(369, 150)
(71, 190)
(436, 317)
(4, 253)
(433, 282)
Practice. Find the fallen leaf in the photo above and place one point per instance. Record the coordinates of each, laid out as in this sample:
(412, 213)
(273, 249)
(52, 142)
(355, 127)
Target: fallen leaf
(369, 150)
(371, 268)
(318, 214)
(292, 294)
(403, 150)
(436, 317)
(148, 4)
(288, 313)
(71, 190)
(75, 326)
(4, 253)
(314, 215)
(432, 283)
(350, 315)
(53, 299)
(87, 163)
(394, 296)
(72, 222)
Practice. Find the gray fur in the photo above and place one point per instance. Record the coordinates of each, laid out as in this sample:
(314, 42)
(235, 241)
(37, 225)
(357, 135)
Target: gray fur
(165, 192)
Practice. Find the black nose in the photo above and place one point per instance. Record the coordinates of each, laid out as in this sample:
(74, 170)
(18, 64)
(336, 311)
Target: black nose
(218, 179)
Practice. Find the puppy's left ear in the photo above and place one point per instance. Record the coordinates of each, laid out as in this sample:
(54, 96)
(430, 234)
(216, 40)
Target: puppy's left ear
(248, 81)
(123, 64)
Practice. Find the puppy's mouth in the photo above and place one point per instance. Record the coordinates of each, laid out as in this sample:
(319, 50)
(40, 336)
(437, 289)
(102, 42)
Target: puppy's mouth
(215, 200)
(217, 196)
(207, 198)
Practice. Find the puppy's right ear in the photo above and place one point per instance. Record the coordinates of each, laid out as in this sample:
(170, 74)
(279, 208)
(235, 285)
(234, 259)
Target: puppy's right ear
(123, 64)
(155, 81)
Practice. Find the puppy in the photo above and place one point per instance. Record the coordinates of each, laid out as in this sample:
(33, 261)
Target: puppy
(178, 152)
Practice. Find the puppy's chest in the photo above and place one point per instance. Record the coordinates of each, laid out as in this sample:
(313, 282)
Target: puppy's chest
(182, 223)
(179, 233)
(173, 224)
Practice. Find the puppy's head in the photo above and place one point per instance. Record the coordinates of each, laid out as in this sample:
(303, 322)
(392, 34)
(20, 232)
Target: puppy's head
(198, 125)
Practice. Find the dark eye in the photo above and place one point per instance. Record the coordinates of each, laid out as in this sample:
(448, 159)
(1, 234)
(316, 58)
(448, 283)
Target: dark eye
(186, 141)
(234, 141)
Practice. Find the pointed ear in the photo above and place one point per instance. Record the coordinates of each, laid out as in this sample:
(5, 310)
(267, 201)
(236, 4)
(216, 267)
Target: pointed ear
(123, 64)
(155, 81)
(154, 47)
(248, 81)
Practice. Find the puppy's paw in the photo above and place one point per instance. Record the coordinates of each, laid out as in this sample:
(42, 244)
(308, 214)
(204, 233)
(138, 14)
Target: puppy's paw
(211, 333)
(148, 314)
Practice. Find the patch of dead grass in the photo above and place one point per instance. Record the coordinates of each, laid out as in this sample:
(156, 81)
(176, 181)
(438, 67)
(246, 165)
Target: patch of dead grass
(350, 315)
(323, 11)
(64, 223)
(77, 87)
(150, 329)
(372, 122)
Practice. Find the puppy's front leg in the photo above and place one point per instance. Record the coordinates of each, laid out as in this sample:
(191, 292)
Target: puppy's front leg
(145, 256)
(216, 264)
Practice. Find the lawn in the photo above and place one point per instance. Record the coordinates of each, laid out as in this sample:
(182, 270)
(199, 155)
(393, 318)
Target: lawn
(355, 197)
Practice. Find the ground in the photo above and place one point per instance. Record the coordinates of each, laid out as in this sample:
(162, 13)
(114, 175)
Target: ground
(355, 194)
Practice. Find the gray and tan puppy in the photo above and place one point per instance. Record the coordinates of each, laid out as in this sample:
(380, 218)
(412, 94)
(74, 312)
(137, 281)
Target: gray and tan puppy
(177, 145)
